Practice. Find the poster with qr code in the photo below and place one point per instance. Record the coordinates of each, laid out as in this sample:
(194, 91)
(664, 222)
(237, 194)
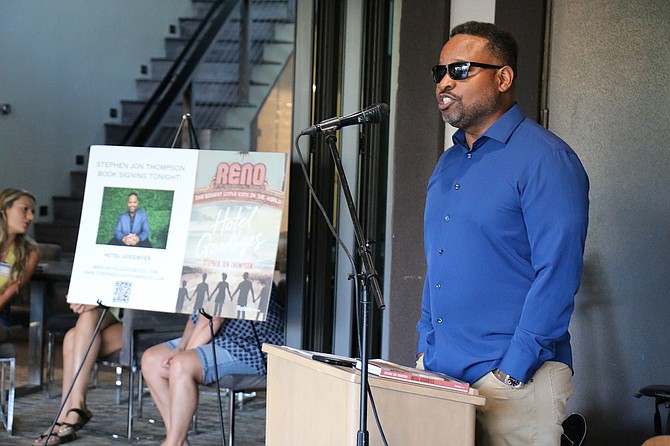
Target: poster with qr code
(176, 230)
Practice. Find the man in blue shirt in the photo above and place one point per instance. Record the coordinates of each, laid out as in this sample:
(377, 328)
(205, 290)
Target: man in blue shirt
(505, 226)
(132, 227)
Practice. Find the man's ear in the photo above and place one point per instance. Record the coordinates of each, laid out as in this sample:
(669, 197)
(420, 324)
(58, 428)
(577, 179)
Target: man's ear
(506, 78)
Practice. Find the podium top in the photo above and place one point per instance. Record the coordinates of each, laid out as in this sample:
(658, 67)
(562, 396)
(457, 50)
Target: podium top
(303, 358)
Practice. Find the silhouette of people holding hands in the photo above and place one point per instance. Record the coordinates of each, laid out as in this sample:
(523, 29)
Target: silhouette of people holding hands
(181, 297)
(219, 294)
(201, 291)
(263, 297)
(244, 288)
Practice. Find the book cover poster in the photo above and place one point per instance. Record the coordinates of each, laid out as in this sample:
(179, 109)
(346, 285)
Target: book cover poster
(162, 228)
(233, 234)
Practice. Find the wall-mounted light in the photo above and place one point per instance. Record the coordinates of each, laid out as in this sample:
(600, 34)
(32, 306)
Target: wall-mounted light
(5, 109)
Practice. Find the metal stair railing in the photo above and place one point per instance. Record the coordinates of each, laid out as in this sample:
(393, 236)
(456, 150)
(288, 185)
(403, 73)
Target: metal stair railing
(177, 78)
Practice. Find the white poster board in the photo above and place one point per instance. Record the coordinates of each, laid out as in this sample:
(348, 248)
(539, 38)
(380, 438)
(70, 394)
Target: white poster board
(213, 230)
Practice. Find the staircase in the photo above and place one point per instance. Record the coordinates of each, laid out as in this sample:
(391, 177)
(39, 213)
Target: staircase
(221, 120)
(66, 216)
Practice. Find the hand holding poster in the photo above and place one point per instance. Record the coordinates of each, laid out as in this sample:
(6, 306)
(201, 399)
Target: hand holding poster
(175, 230)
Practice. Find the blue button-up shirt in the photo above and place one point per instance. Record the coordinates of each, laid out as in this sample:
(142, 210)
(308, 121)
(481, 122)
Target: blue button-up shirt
(504, 226)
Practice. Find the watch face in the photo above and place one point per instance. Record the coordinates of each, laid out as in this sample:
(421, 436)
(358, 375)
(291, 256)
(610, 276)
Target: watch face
(507, 380)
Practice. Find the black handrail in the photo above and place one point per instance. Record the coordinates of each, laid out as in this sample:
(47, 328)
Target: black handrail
(179, 74)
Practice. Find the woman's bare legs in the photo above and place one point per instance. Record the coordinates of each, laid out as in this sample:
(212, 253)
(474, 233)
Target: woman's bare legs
(174, 389)
(156, 377)
(74, 347)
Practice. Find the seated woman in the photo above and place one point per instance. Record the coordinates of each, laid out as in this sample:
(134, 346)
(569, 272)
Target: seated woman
(173, 370)
(18, 252)
(75, 413)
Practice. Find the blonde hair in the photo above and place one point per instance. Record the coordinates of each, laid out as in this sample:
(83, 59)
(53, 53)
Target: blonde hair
(23, 244)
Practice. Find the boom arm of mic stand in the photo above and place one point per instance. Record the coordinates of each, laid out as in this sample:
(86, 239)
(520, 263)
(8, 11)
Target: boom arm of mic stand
(361, 242)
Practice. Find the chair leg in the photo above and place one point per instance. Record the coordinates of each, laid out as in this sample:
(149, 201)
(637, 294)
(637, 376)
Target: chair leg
(231, 417)
(7, 393)
(194, 424)
(118, 383)
(50, 363)
(95, 377)
(140, 394)
(131, 397)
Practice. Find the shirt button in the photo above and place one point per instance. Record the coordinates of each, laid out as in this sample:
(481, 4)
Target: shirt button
(441, 251)
(469, 155)
(439, 320)
(457, 186)
(438, 285)
(447, 218)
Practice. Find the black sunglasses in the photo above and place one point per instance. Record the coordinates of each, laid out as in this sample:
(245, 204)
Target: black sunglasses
(458, 70)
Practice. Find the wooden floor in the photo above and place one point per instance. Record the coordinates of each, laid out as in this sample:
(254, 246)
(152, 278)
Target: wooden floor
(34, 413)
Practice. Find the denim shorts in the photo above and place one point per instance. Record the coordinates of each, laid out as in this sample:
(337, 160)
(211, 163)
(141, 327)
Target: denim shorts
(227, 364)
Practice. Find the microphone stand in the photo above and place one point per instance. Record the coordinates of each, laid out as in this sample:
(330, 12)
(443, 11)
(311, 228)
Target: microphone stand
(369, 280)
(216, 372)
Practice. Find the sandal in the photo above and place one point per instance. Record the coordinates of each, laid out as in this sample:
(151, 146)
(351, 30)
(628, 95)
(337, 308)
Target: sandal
(68, 429)
(54, 438)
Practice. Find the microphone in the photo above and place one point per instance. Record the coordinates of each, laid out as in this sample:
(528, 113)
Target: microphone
(373, 114)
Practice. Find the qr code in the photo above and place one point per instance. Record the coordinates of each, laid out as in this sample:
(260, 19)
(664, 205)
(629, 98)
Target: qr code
(122, 292)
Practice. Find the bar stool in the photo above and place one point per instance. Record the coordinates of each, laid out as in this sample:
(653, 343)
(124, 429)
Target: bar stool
(661, 395)
(7, 375)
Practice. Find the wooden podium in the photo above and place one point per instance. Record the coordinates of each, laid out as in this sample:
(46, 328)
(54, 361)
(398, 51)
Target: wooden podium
(313, 403)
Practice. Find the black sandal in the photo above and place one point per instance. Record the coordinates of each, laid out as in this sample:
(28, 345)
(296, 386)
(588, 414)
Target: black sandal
(71, 428)
(59, 439)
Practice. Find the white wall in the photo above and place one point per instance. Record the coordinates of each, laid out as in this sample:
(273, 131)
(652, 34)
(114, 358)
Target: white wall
(63, 65)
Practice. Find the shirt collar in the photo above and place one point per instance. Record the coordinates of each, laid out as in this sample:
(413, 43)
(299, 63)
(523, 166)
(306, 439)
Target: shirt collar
(501, 130)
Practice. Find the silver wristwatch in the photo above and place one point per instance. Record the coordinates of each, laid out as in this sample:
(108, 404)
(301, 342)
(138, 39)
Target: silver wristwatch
(507, 379)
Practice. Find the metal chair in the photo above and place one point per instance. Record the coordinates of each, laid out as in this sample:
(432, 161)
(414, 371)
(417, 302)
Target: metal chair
(235, 385)
(238, 385)
(7, 389)
(661, 395)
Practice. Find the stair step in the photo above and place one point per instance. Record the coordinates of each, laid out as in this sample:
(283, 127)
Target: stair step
(263, 8)
(77, 183)
(218, 71)
(202, 7)
(231, 30)
(277, 52)
(67, 209)
(115, 132)
(130, 109)
(62, 234)
(220, 51)
(224, 91)
(285, 32)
